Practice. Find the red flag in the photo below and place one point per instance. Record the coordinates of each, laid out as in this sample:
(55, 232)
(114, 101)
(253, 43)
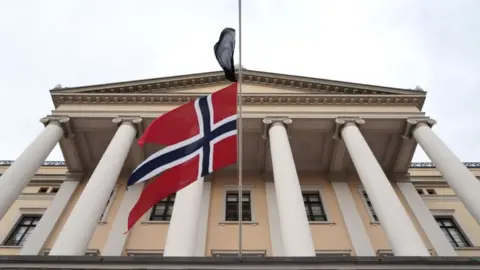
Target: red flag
(201, 137)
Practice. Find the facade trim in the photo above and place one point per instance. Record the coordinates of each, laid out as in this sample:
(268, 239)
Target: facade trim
(429, 165)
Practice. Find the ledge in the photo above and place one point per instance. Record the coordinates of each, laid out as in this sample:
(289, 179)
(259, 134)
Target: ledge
(10, 247)
(150, 222)
(157, 262)
(252, 223)
(322, 223)
(470, 165)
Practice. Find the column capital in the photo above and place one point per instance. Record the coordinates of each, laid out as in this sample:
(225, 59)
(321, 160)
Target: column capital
(270, 121)
(412, 123)
(340, 123)
(133, 121)
(62, 121)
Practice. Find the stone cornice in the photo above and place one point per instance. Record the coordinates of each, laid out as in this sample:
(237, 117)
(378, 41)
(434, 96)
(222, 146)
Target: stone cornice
(247, 99)
(413, 165)
(317, 91)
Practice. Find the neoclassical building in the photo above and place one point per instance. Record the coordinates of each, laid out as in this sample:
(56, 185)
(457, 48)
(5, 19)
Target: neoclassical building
(327, 173)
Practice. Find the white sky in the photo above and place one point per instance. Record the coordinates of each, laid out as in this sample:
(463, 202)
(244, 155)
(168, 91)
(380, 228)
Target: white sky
(393, 43)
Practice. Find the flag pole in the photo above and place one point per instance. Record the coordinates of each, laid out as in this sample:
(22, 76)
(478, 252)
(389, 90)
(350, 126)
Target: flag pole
(240, 131)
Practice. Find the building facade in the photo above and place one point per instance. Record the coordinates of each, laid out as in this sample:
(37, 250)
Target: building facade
(327, 173)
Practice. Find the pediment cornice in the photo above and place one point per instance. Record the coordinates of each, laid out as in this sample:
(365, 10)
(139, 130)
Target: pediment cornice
(314, 91)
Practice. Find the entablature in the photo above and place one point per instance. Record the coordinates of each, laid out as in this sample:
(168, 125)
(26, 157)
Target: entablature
(296, 90)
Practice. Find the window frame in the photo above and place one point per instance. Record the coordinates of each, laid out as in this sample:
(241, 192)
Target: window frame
(361, 190)
(152, 210)
(234, 188)
(321, 193)
(457, 227)
(462, 226)
(15, 220)
(14, 230)
(108, 206)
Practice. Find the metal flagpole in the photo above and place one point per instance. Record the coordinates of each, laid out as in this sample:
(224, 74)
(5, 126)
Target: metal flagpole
(239, 130)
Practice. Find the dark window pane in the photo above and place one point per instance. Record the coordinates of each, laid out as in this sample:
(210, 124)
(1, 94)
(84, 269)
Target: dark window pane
(369, 205)
(162, 211)
(231, 206)
(452, 232)
(313, 206)
(22, 230)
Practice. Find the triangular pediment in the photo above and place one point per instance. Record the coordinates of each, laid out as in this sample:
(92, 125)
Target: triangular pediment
(254, 82)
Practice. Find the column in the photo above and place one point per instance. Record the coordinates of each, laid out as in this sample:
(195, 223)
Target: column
(460, 179)
(82, 222)
(295, 229)
(273, 219)
(202, 229)
(425, 218)
(394, 219)
(19, 174)
(358, 235)
(44, 228)
(182, 230)
(117, 236)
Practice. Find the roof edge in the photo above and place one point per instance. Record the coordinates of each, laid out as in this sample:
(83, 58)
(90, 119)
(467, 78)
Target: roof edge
(246, 73)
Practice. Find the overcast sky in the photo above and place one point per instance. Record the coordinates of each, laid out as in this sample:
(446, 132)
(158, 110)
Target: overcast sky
(392, 43)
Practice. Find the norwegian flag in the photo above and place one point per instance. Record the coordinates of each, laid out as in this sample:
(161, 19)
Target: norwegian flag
(201, 137)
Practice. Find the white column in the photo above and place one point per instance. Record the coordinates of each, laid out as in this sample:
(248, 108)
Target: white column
(202, 229)
(19, 174)
(358, 235)
(295, 229)
(117, 236)
(82, 222)
(182, 230)
(425, 218)
(398, 227)
(44, 228)
(460, 179)
(274, 220)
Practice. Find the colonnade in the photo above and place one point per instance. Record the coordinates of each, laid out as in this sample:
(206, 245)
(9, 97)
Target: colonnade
(296, 240)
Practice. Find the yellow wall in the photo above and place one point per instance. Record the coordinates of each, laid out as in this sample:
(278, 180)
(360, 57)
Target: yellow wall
(221, 235)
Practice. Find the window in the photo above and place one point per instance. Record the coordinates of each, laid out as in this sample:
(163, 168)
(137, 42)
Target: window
(231, 206)
(162, 211)
(107, 205)
(369, 206)
(452, 232)
(43, 190)
(420, 191)
(431, 192)
(54, 190)
(313, 206)
(22, 230)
